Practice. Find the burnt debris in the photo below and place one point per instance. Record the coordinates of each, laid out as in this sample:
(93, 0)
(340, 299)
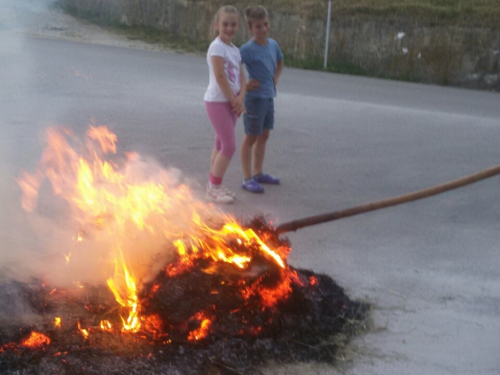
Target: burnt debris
(203, 320)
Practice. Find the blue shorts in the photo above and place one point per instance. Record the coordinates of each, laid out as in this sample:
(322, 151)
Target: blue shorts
(259, 116)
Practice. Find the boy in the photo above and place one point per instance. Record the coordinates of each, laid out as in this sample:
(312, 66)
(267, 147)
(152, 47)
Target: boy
(264, 62)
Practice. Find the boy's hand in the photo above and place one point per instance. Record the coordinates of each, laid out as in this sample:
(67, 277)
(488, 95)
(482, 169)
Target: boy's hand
(253, 84)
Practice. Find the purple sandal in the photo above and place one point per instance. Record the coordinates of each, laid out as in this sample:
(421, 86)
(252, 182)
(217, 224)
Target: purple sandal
(252, 186)
(266, 179)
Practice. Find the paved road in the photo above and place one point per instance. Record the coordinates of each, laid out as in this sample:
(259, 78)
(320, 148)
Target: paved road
(431, 268)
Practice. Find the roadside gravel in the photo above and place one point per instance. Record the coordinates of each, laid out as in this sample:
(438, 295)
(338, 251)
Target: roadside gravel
(43, 18)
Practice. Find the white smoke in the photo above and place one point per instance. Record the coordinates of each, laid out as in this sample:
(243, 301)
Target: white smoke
(41, 243)
(57, 224)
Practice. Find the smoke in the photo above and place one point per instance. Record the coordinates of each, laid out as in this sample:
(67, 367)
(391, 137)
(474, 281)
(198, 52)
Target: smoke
(90, 224)
(16, 79)
(20, 14)
(44, 243)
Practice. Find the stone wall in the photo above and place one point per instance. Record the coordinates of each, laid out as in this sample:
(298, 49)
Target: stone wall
(396, 48)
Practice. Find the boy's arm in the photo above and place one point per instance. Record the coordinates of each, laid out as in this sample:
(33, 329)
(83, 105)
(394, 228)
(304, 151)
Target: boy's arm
(279, 68)
(243, 88)
(238, 105)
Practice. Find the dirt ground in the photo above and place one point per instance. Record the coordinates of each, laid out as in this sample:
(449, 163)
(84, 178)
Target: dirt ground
(44, 19)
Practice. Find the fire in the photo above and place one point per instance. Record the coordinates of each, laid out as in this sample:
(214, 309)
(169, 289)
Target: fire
(36, 340)
(126, 294)
(203, 329)
(116, 202)
(105, 325)
(83, 331)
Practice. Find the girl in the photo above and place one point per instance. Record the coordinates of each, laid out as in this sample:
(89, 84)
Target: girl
(224, 98)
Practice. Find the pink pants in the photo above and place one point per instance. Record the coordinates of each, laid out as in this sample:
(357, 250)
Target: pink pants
(223, 120)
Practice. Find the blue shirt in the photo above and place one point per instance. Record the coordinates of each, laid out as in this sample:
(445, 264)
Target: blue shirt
(260, 61)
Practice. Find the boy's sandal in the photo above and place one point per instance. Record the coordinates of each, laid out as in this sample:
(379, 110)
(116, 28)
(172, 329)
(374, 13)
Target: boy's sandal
(267, 179)
(252, 186)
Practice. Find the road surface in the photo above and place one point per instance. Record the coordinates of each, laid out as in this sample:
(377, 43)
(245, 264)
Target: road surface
(430, 268)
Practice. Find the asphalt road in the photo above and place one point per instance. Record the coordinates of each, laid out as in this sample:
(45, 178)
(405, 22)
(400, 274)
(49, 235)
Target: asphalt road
(430, 268)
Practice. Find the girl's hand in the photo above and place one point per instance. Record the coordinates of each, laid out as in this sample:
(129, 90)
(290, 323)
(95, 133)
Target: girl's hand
(253, 84)
(238, 106)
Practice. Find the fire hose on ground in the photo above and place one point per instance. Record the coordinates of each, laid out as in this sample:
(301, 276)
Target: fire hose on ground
(292, 226)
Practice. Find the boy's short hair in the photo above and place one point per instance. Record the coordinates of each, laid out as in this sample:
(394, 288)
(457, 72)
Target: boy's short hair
(255, 13)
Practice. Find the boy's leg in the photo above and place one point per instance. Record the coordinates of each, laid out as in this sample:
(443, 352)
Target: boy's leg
(246, 155)
(260, 146)
(249, 184)
(253, 121)
(259, 151)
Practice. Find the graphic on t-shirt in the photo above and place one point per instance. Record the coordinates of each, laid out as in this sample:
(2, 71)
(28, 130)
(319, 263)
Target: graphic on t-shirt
(230, 72)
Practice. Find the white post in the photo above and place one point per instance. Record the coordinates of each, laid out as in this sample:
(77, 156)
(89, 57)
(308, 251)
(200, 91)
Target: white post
(327, 32)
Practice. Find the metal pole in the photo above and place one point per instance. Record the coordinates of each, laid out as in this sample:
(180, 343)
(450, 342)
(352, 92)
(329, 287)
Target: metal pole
(327, 32)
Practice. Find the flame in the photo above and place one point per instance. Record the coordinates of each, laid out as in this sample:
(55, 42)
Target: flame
(105, 325)
(36, 340)
(213, 243)
(125, 291)
(119, 204)
(83, 331)
(203, 329)
(57, 322)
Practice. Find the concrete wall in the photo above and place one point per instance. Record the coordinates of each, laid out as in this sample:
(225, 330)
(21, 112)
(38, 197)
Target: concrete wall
(467, 57)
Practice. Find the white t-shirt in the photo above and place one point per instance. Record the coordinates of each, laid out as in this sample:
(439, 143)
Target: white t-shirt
(232, 62)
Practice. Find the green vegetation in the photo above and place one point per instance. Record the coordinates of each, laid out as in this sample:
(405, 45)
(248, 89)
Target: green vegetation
(481, 15)
(466, 13)
(478, 13)
(317, 63)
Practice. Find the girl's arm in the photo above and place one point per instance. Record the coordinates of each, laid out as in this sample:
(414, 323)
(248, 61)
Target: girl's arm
(279, 69)
(220, 76)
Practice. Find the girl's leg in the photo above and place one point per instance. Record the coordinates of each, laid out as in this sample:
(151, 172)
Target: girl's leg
(215, 152)
(223, 120)
(221, 163)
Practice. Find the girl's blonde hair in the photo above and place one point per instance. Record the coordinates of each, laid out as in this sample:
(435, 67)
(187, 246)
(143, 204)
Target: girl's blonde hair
(224, 9)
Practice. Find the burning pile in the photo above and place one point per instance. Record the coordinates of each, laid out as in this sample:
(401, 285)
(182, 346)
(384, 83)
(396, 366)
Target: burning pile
(190, 288)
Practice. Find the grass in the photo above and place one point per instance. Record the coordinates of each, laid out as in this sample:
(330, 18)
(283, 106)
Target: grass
(466, 13)
(460, 13)
(317, 63)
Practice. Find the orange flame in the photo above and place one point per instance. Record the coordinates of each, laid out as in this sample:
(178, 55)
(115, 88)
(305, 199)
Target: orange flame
(121, 204)
(203, 330)
(83, 331)
(36, 340)
(126, 294)
(213, 243)
(105, 325)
